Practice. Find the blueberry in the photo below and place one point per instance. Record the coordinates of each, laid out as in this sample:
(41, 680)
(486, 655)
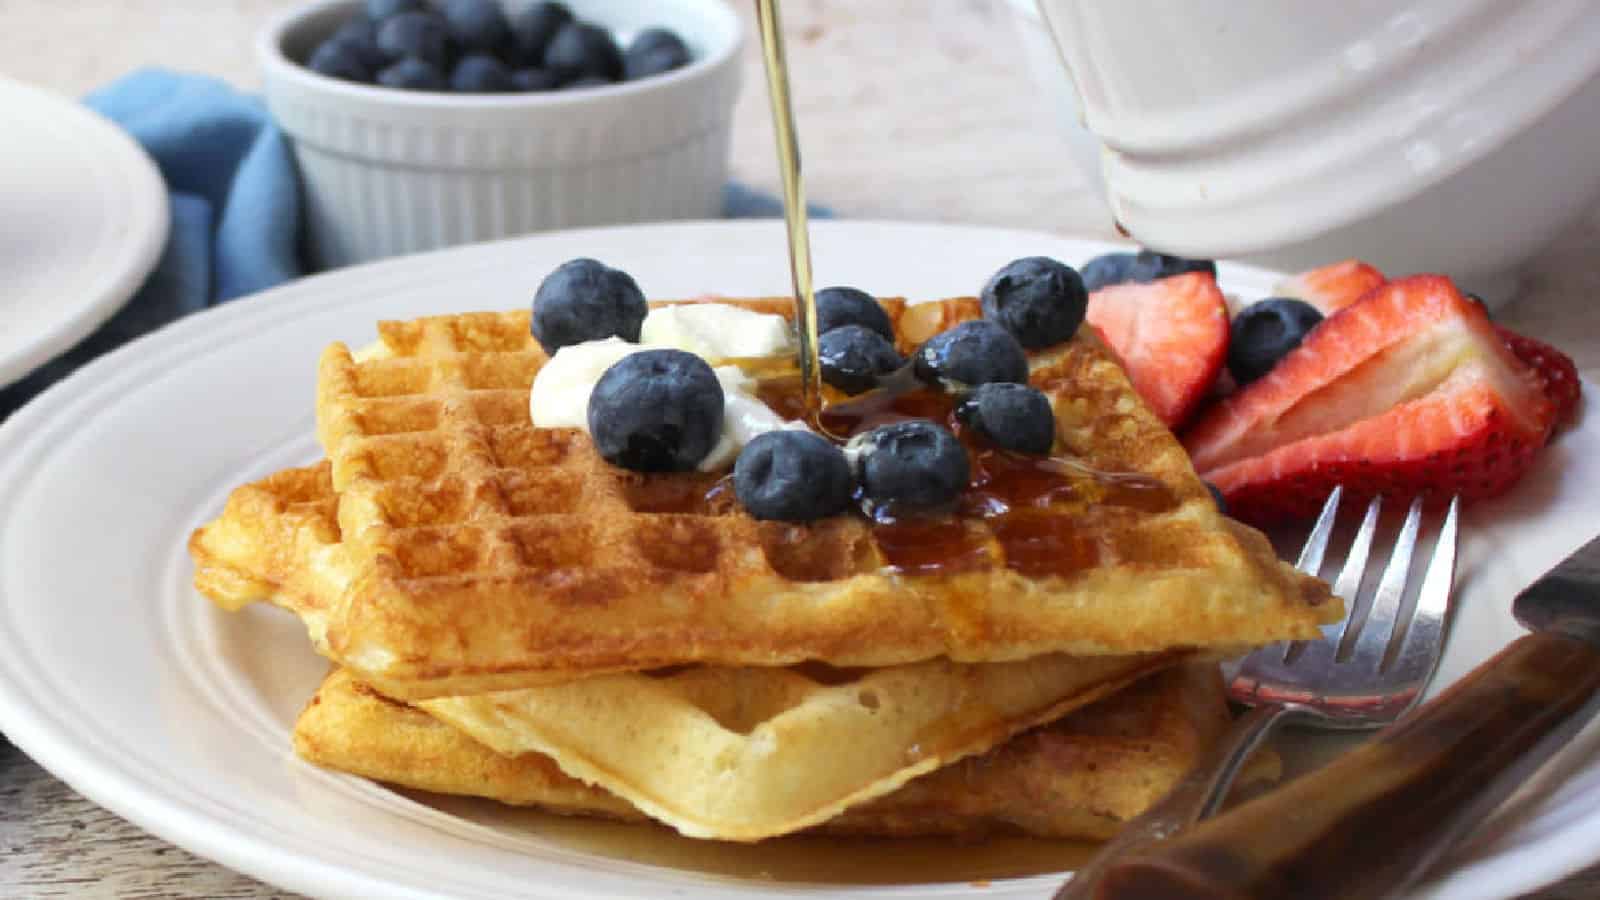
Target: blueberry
(378, 10)
(1216, 495)
(412, 74)
(534, 80)
(838, 306)
(422, 35)
(652, 52)
(1037, 299)
(586, 300)
(480, 73)
(1150, 266)
(533, 28)
(1013, 416)
(656, 411)
(580, 50)
(792, 476)
(1106, 270)
(853, 357)
(588, 81)
(1265, 332)
(359, 27)
(913, 465)
(972, 353)
(477, 25)
(336, 60)
(360, 37)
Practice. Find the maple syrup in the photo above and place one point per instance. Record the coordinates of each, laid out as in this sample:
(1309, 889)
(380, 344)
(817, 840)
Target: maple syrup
(794, 204)
(931, 545)
(1044, 514)
(1025, 500)
(800, 858)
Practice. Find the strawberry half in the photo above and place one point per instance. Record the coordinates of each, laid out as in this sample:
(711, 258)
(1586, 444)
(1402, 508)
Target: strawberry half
(1171, 335)
(1332, 288)
(1408, 392)
(1561, 382)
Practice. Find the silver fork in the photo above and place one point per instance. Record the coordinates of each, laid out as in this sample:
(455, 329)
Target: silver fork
(1382, 676)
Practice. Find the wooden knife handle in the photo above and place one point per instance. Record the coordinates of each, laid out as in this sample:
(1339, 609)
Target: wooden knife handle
(1372, 821)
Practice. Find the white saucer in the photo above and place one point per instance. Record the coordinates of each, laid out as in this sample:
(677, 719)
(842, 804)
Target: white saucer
(85, 220)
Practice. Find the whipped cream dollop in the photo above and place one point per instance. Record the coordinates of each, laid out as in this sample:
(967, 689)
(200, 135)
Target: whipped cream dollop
(712, 331)
(716, 331)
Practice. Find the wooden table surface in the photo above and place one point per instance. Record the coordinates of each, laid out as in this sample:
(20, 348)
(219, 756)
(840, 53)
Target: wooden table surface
(909, 109)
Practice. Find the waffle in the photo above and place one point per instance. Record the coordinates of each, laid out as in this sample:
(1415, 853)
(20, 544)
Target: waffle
(483, 554)
(728, 753)
(749, 753)
(1079, 777)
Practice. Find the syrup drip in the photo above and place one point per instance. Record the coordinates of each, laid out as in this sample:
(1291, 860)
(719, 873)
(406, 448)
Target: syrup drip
(1045, 514)
(1028, 502)
(794, 205)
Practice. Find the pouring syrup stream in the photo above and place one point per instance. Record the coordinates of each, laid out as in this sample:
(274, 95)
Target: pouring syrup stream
(794, 206)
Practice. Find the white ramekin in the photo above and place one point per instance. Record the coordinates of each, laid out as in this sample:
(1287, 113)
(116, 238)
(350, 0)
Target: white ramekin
(389, 172)
(1428, 135)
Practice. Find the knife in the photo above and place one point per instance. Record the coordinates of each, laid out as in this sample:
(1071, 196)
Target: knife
(1373, 821)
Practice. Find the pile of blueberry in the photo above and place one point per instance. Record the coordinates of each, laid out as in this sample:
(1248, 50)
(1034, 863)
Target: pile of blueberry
(473, 47)
(661, 410)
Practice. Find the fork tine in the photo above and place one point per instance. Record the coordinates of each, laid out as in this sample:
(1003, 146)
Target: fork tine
(1373, 639)
(1355, 566)
(1310, 562)
(1419, 653)
(1317, 542)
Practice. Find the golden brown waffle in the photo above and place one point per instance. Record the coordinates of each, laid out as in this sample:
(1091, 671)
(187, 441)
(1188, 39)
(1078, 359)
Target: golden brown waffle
(749, 753)
(1080, 777)
(271, 545)
(481, 553)
(730, 753)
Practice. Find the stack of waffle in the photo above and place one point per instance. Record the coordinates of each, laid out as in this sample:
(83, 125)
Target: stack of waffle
(511, 617)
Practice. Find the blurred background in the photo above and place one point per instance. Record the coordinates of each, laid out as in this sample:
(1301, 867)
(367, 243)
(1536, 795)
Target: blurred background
(909, 109)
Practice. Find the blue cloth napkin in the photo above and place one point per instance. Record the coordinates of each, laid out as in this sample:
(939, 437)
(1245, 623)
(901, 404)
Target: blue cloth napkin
(235, 202)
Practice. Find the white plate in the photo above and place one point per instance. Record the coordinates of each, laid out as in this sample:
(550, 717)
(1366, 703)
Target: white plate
(119, 678)
(85, 220)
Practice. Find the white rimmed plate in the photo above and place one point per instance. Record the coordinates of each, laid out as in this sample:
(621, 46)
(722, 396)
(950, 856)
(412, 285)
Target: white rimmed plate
(119, 678)
(85, 220)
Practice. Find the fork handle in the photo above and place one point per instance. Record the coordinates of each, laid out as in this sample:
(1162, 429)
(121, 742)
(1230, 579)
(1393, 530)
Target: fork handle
(1196, 795)
(1371, 822)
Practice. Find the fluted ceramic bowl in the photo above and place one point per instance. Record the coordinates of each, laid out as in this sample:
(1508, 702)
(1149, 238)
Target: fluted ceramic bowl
(387, 172)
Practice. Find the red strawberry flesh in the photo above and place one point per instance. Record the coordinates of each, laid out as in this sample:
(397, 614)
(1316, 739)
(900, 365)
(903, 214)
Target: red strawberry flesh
(1332, 288)
(1455, 440)
(1410, 391)
(1171, 335)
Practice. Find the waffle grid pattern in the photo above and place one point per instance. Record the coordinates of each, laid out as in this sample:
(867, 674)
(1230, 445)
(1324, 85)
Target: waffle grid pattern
(729, 753)
(483, 553)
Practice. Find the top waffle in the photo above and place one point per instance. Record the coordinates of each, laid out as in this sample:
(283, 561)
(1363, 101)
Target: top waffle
(482, 553)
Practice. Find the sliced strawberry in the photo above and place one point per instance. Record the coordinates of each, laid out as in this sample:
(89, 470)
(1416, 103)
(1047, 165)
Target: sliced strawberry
(1561, 382)
(1408, 392)
(1171, 335)
(1332, 288)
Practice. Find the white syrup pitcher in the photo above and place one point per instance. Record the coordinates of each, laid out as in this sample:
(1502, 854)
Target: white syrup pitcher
(1440, 135)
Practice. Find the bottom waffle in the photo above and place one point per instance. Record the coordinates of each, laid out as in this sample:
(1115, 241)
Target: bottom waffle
(744, 754)
(1079, 777)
